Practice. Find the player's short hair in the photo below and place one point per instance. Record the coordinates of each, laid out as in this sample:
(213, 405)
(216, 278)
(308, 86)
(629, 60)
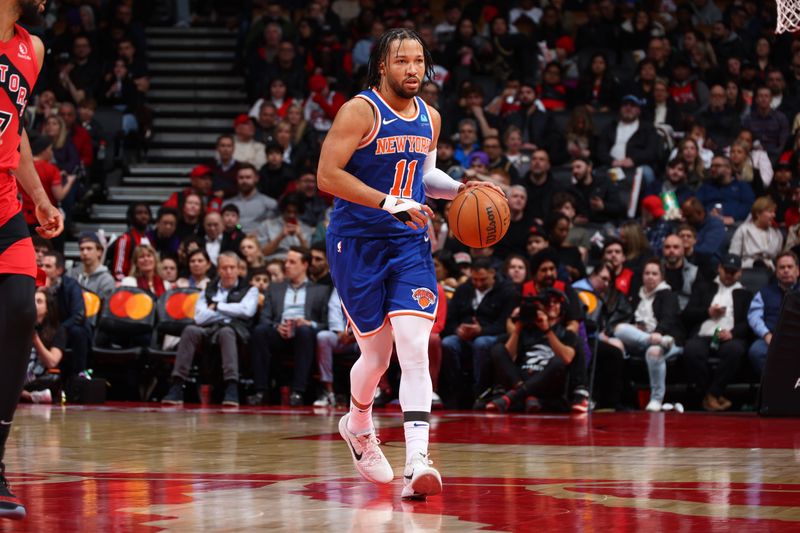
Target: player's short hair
(380, 52)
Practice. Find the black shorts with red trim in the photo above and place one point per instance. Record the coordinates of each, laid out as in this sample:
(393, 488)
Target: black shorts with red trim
(17, 255)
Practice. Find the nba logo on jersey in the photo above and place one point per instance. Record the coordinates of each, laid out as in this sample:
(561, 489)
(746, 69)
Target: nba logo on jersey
(423, 118)
(424, 297)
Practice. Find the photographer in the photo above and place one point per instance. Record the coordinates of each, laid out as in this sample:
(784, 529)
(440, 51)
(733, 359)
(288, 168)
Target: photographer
(534, 361)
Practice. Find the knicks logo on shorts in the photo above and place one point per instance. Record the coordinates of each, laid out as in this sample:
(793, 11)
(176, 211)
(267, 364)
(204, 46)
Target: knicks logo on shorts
(424, 297)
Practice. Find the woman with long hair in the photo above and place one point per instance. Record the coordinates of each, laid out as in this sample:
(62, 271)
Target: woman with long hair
(49, 343)
(635, 244)
(250, 250)
(688, 151)
(579, 133)
(190, 221)
(743, 169)
(657, 332)
(598, 88)
(64, 151)
(146, 272)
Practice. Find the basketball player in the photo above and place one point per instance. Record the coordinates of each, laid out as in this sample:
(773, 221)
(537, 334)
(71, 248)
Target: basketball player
(20, 61)
(379, 160)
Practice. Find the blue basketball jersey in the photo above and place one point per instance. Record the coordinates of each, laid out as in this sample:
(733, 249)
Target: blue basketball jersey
(389, 159)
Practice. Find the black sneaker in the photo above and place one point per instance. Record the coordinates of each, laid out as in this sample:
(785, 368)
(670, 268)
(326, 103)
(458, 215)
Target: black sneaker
(10, 506)
(231, 398)
(174, 396)
(296, 399)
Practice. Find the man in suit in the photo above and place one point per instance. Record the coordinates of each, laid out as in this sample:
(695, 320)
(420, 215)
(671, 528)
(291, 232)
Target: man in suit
(294, 311)
(717, 314)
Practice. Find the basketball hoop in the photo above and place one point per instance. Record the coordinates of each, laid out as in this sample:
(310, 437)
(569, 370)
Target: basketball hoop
(788, 16)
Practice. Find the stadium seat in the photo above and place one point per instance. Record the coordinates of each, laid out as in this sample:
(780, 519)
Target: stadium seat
(126, 320)
(93, 303)
(174, 311)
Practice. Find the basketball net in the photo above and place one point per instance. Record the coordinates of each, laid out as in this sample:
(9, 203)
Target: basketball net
(788, 16)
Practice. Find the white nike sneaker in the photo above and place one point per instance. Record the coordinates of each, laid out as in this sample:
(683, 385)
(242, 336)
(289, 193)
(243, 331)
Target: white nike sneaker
(653, 406)
(420, 479)
(367, 455)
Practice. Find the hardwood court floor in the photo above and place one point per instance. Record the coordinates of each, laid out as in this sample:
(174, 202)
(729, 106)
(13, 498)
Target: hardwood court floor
(147, 468)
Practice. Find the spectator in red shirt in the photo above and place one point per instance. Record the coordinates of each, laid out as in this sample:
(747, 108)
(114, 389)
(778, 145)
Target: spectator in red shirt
(121, 251)
(77, 133)
(55, 184)
(201, 177)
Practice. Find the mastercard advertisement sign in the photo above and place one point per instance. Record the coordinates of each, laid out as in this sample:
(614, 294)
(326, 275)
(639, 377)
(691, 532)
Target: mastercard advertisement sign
(92, 303)
(180, 305)
(130, 305)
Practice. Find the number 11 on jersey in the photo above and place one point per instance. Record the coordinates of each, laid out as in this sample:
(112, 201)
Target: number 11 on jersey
(400, 175)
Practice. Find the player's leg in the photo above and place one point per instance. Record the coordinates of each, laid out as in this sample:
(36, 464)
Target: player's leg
(17, 319)
(356, 426)
(412, 300)
(376, 353)
(358, 271)
(416, 391)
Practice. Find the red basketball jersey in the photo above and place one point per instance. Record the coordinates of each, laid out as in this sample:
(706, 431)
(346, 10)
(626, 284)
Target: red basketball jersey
(18, 72)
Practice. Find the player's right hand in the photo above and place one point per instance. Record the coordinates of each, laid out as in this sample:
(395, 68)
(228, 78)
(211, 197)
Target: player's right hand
(412, 214)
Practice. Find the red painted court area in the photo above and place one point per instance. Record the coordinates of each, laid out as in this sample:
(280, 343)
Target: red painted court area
(143, 468)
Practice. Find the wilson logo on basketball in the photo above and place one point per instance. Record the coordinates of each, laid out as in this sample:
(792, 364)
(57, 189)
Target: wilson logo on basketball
(424, 297)
(491, 228)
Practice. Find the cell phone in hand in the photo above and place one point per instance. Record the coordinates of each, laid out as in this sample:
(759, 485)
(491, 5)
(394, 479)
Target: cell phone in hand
(291, 220)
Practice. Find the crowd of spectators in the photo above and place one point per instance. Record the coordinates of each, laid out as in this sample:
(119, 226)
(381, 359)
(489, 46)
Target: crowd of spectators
(648, 151)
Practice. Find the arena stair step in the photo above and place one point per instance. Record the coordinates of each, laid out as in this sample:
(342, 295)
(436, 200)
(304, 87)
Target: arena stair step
(197, 95)
(122, 193)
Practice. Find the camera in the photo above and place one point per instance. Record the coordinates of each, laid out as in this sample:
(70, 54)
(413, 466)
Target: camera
(530, 305)
(528, 309)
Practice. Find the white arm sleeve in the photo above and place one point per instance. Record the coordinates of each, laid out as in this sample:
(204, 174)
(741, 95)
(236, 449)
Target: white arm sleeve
(437, 184)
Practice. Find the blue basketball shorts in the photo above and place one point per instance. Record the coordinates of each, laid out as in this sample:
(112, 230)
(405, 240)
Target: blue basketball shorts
(378, 278)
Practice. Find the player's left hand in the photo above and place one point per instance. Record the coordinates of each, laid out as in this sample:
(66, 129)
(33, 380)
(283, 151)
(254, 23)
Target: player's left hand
(472, 184)
(50, 219)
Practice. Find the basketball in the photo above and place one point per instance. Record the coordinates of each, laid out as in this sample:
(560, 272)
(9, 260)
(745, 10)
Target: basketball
(479, 217)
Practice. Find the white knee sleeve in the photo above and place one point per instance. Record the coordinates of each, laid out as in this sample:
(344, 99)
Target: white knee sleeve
(376, 352)
(411, 335)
